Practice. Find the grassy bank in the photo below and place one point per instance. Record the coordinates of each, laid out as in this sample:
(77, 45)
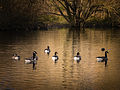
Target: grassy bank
(48, 22)
(102, 23)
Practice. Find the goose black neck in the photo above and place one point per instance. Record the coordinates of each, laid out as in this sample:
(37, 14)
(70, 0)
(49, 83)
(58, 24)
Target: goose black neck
(78, 54)
(55, 53)
(48, 47)
(105, 54)
(34, 55)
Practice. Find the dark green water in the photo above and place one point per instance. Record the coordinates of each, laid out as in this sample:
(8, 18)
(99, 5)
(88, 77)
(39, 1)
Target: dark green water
(66, 74)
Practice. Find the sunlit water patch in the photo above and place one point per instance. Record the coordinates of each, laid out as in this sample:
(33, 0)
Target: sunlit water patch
(66, 74)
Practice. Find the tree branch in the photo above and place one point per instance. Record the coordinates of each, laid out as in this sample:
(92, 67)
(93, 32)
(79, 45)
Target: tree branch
(61, 11)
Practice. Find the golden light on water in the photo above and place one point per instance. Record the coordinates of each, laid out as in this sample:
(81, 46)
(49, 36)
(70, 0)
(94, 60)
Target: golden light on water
(66, 73)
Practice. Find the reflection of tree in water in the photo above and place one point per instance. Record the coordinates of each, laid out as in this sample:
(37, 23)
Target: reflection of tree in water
(89, 42)
(74, 37)
(71, 46)
(78, 40)
(16, 42)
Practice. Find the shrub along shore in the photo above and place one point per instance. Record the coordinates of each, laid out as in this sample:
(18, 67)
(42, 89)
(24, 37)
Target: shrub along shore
(45, 14)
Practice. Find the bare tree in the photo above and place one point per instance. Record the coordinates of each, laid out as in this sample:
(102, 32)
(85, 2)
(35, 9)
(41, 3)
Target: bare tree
(76, 12)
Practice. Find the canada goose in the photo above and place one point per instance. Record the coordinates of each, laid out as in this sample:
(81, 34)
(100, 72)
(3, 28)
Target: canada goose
(102, 58)
(55, 57)
(32, 59)
(47, 50)
(77, 57)
(15, 57)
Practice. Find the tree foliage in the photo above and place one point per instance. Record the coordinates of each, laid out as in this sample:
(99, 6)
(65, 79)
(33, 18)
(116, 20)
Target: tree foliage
(113, 11)
(77, 12)
(32, 13)
(21, 14)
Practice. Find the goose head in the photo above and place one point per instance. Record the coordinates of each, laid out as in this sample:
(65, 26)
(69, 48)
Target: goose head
(102, 49)
(56, 53)
(78, 53)
(34, 53)
(48, 47)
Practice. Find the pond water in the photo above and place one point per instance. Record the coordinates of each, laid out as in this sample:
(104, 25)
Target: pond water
(66, 74)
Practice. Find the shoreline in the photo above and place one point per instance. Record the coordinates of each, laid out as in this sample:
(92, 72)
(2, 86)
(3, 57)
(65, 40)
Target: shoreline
(52, 26)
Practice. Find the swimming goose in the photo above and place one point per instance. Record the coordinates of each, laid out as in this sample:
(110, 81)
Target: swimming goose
(15, 57)
(32, 59)
(55, 57)
(47, 50)
(103, 58)
(77, 57)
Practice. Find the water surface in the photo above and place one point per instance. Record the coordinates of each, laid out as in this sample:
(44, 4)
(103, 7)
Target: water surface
(66, 74)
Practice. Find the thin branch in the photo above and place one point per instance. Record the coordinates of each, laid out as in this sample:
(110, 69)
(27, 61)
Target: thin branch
(61, 11)
(61, 3)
